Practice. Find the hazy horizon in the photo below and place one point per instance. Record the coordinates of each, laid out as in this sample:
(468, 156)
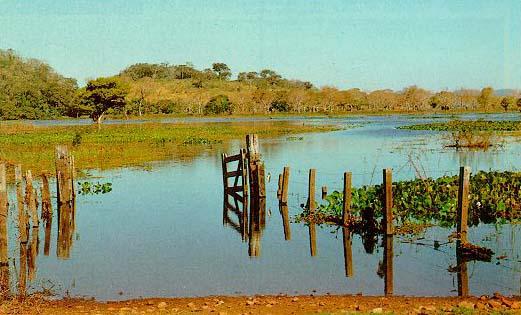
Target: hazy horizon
(367, 45)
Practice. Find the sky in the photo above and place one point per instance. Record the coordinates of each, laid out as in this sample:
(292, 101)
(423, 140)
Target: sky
(364, 44)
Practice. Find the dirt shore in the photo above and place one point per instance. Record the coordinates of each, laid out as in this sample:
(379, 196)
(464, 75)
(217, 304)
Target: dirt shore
(271, 305)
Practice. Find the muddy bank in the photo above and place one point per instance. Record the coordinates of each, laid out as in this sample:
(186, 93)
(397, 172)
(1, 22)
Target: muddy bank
(271, 305)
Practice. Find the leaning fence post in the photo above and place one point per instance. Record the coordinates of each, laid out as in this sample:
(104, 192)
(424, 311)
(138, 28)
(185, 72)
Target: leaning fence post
(4, 210)
(285, 182)
(311, 190)
(463, 203)
(346, 209)
(324, 192)
(388, 200)
(279, 188)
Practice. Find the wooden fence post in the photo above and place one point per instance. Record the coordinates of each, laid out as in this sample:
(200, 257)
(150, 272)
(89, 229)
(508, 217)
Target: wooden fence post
(4, 211)
(346, 209)
(348, 252)
(285, 221)
(324, 192)
(46, 199)
(279, 188)
(388, 200)
(311, 190)
(30, 198)
(285, 182)
(463, 203)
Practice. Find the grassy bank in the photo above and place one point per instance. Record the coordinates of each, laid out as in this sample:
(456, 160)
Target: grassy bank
(469, 126)
(129, 144)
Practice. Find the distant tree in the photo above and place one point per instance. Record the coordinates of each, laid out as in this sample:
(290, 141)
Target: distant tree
(518, 103)
(280, 105)
(218, 104)
(507, 102)
(103, 94)
(222, 70)
(486, 97)
(270, 76)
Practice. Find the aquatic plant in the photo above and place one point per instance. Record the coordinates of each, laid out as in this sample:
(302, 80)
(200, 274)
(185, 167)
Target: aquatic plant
(88, 188)
(468, 126)
(494, 198)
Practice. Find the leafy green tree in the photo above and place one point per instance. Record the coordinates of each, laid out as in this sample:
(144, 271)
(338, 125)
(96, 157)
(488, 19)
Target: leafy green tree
(222, 70)
(218, 104)
(507, 102)
(103, 94)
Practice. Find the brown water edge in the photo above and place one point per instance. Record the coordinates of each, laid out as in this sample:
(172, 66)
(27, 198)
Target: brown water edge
(278, 304)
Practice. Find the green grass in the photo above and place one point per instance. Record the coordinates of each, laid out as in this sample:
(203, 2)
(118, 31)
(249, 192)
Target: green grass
(129, 144)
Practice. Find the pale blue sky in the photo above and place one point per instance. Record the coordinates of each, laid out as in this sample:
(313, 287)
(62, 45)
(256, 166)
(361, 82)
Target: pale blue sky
(365, 44)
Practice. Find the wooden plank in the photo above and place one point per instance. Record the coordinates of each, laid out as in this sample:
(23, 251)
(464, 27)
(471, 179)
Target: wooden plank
(311, 190)
(463, 203)
(234, 189)
(346, 204)
(285, 184)
(236, 173)
(22, 212)
(232, 158)
(225, 180)
(388, 201)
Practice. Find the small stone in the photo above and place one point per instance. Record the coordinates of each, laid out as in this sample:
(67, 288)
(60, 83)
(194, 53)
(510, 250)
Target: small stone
(162, 305)
(295, 299)
(250, 302)
(149, 303)
(125, 309)
(322, 304)
(481, 306)
(428, 308)
(377, 310)
(516, 305)
(191, 305)
(175, 310)
(506, 302)
(495, 304)
(205, 307)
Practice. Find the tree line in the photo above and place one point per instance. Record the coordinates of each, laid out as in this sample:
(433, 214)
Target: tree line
(31, 89)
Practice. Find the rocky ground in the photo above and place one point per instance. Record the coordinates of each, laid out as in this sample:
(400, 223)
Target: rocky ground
(271, 305)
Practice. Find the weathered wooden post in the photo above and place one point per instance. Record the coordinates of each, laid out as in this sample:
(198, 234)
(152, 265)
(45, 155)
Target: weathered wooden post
(388, 265)
(388, 200)
(33, 253)
(279, 188)
(311, 190)
(285, 183)
(312, 239)
(346, 205)
(257, 185)
(30, 198)
(64, 177)
(463, 277)
(324, 192)
(4, 210)
(22, 212)
(22, 272)
(463, 203)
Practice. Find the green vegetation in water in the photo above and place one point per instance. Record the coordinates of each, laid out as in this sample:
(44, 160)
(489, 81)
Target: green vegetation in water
(295, 138)
(129, 144)
(88, 188)
(468, 126)
(495, 197)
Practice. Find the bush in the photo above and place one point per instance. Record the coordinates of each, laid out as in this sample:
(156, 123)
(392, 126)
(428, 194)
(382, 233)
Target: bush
(218, 104)
(280, 106)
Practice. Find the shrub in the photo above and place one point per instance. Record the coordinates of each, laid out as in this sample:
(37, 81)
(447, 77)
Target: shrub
(218, 104)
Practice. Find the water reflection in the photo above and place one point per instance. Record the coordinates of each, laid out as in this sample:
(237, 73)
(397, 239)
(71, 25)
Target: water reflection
(461, 269)
(348, 252)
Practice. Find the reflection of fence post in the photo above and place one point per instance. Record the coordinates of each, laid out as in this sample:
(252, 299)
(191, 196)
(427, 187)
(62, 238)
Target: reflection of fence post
(285, 221)
(463, 277)
(388, 265)
(4, 210)
(463, 203)
(346, 209)
(311, 190)
(348, 252)
(46, 199)
(388, 200)
(22, 213)
(279, 188)
(285, 182)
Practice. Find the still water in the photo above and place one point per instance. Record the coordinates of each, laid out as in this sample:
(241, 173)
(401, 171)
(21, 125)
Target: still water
(160, 231)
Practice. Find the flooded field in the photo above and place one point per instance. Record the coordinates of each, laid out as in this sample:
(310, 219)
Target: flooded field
(160, 231)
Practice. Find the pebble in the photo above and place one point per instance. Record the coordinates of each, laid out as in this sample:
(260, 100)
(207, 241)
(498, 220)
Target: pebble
(495, 304)
(322, 304)
(250, 302)
(161, 305)
(516, 305)
(295, 299)
(377, 310)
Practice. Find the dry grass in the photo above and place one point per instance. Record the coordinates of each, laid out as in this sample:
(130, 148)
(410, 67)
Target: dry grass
(472, 140)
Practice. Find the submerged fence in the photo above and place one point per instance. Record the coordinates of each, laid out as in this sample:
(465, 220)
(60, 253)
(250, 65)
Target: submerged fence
(28, 202)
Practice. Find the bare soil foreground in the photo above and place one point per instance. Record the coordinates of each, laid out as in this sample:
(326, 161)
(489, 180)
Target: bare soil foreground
(272, 305)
